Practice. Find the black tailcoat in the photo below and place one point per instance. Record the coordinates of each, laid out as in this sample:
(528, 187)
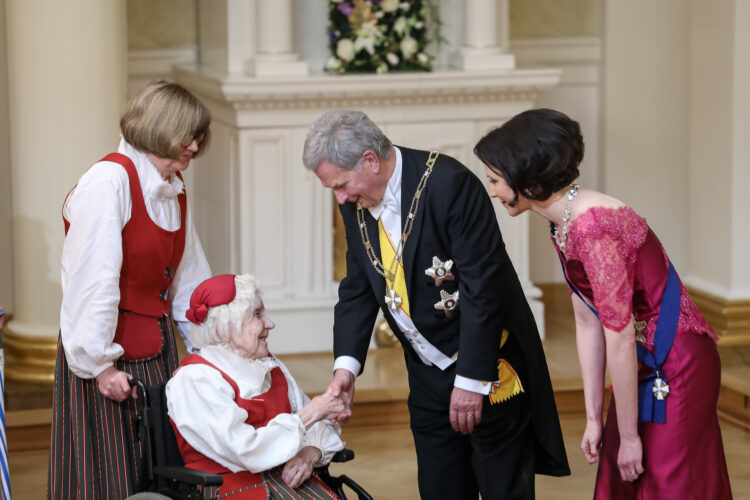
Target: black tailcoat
(455, 220)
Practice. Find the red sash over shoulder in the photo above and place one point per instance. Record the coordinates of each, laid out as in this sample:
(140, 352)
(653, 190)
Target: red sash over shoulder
(150, 256)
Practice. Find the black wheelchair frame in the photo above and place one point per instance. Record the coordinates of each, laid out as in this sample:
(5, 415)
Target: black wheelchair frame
(165, 472)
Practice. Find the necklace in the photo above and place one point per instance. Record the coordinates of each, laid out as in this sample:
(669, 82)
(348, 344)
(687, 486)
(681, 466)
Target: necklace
(391, 297)
(562, 239)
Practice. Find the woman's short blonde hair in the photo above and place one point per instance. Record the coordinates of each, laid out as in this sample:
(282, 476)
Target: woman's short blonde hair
(164, 118)
(228, 317)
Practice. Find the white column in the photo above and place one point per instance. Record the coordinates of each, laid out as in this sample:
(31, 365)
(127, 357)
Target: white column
(66, 89)
(275, 54)
(482, 48)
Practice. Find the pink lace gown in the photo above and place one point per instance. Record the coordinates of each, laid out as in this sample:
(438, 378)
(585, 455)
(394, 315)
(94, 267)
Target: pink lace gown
(619, 265)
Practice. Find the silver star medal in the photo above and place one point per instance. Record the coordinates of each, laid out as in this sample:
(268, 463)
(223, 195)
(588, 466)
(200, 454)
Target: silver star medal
(440, 271)
(392, 299)
(448, 302)
(660, 389)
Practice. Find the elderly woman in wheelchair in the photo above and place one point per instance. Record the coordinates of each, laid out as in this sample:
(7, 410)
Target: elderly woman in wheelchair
(238, 412)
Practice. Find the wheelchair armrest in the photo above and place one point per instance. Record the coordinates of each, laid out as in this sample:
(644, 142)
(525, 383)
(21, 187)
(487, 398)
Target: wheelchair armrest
(343, 456)
(356, 488)
(189, 476)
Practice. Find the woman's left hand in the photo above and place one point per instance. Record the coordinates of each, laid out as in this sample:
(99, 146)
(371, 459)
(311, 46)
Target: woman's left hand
(300, 467)
(630, 459)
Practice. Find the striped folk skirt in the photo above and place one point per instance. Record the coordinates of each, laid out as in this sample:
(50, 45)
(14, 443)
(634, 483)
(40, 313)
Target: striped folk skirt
(243, 486)
(95, 452)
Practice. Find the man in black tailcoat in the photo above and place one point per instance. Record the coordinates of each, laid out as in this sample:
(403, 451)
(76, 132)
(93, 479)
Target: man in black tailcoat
(424, 247)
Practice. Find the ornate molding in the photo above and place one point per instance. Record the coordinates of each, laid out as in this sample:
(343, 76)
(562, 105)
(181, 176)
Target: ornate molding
(729, 318)
(405, 89)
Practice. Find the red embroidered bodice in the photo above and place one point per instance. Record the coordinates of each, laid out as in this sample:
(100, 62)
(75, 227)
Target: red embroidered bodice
(619, 265)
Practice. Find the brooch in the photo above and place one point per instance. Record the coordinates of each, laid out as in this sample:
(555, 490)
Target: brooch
(640, 327)
(448, 302)
(440, 271)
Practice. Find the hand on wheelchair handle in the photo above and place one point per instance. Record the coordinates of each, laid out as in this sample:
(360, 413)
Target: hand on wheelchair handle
(114, 384)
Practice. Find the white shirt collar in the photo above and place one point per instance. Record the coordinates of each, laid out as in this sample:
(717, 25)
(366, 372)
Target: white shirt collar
(152, 183)
(392, 195)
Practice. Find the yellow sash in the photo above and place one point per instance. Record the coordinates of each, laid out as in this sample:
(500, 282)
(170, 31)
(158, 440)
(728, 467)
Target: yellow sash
(510, 383)
(387, 253)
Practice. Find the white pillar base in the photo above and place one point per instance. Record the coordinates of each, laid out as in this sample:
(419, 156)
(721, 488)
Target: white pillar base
(475, 60)
(264, 66)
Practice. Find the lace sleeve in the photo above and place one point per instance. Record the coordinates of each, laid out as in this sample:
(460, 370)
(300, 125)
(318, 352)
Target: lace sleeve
(606, 241)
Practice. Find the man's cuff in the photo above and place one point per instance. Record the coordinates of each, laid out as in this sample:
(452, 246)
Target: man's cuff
(347, 363)
(469, 384)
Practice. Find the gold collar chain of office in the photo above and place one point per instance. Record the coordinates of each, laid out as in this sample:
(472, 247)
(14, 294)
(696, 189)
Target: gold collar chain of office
(390, 274)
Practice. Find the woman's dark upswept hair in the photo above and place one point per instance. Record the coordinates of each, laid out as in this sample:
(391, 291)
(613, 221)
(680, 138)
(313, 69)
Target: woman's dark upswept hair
(537, 152)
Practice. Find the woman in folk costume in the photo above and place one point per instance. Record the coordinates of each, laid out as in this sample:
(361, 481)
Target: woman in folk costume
(130, 261)
(236, 409)
(633, 315)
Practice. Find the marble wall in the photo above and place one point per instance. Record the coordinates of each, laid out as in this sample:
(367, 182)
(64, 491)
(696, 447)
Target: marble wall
(162, 24)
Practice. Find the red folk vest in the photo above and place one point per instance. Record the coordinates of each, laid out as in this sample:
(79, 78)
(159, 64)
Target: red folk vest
(260, 410)
(150, 256)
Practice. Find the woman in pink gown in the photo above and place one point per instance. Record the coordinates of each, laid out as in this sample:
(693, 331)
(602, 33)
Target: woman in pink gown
(633, 315)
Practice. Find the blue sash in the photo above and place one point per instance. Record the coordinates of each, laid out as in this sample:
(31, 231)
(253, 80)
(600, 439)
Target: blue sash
(650, 407)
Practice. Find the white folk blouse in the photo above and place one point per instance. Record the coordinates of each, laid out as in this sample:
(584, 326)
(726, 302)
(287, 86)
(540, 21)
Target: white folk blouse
(98, 209)
(201, 404)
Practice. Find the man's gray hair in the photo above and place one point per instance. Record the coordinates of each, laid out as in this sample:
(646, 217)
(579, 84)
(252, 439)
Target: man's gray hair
(340, 137)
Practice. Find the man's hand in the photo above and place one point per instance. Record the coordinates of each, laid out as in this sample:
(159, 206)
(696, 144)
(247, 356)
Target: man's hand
(342, 386)
(466, 410)
(113, 384)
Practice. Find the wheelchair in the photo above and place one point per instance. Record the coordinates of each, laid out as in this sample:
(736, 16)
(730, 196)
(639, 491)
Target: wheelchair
(165, 475)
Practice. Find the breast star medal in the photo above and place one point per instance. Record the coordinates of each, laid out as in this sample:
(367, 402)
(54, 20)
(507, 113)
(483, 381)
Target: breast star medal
(448, 302)
(440, 271)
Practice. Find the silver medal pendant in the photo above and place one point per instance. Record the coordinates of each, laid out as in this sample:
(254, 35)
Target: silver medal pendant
(660, 389)
(392, 299)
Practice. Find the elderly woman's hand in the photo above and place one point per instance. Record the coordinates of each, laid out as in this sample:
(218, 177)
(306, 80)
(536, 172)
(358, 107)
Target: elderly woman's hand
(323, 407)
(300, 467)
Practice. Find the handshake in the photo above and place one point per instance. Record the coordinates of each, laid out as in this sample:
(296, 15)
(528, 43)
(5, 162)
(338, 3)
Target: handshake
(335, 404)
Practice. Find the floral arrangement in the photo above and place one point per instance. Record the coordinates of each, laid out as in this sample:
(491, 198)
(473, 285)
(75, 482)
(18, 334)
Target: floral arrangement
(380, 35)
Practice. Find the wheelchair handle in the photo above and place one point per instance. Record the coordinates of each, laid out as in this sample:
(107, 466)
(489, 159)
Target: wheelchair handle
(140, 388)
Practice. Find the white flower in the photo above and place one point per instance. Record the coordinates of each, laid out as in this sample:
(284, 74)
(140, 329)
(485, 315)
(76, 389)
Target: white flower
(333, 63)
(400, 25)
(408, 47)
(404, 5)
(419, 25)
(389, 5)
(365, 43)
(383, 68)
(345, 49)
(367, 34)
(392, 58)
(369, 29)
(422, 57)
